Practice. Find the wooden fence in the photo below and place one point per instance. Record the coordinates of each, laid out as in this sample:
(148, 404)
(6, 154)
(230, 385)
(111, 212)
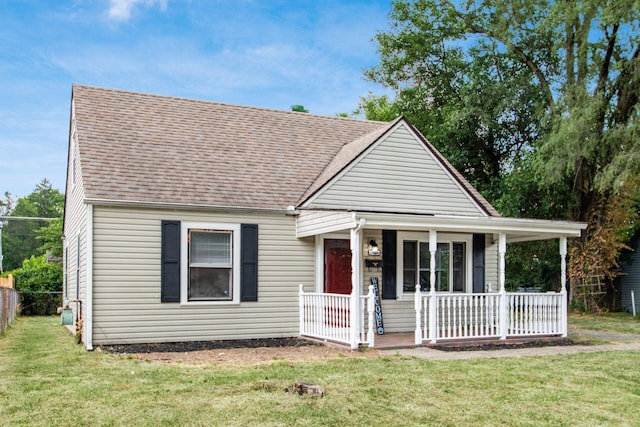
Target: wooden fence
(7, 282)
(9, 301)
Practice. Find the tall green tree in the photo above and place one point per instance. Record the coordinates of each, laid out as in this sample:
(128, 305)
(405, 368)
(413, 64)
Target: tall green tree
(19, 237)
(50, 238)
(471, 97)
(489, 81)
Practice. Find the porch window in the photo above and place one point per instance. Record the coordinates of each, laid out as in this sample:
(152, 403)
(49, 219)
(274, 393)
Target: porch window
(212, 263)
(451, 266)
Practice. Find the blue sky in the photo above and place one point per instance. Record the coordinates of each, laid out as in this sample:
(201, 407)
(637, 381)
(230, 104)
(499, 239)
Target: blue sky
(263, 53)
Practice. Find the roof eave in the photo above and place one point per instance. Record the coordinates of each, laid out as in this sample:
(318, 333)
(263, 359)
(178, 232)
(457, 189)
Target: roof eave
(184, 206)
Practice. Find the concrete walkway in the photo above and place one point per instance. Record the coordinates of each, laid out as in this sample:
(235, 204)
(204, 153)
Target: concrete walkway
(616, 342)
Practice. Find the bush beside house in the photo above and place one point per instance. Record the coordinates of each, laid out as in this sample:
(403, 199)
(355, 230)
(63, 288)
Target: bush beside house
(40, 284)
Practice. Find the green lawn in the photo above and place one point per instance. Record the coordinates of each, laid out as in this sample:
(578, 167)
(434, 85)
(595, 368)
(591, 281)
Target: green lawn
(47, 380)
(623, 323)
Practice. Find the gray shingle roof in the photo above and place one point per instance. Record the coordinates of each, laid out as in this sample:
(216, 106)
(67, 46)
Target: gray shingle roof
(148, 148)
(136, 147)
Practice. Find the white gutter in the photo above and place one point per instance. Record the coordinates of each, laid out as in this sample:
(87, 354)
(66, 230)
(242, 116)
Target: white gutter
(89, 273)
(520, 229)
(163, 205)
(314, 222)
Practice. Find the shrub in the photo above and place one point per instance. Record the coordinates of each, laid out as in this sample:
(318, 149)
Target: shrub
(40, 284)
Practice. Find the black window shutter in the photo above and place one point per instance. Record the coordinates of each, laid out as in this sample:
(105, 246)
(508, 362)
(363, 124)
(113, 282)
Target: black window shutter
(389, 254)
(170, 262)
(478, 263)
(249, 262)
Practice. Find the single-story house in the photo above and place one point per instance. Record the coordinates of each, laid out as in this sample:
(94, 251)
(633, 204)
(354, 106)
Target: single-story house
(191, 220)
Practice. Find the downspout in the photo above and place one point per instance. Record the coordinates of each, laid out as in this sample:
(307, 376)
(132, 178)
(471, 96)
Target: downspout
(89, 266)
(78, 318)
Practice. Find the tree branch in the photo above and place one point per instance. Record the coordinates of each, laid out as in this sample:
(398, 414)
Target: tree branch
(627, 88)
(568, 46)
(527, 60)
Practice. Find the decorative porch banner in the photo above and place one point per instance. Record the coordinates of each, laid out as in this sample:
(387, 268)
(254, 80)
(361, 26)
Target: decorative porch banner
(377, 307)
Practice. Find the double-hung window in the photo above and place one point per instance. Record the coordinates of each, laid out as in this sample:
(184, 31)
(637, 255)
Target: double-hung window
(212, 263)
(452, 269)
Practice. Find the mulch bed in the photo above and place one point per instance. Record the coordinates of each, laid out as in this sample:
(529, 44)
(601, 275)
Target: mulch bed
(481, 346)
(187, 346)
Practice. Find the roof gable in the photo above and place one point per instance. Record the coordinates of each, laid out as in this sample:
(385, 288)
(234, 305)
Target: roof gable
(347, 154)
(399, 171)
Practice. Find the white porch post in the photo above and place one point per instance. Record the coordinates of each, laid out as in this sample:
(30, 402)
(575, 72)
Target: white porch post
(418, 306)
(356, 282)
(301, 314)
(433, 304)
(563, 284)
(504, 307)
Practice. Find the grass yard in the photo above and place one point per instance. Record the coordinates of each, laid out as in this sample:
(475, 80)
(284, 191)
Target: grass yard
(623, 323)
(47, 380)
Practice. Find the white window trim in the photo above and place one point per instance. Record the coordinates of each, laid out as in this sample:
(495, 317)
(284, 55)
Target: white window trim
(65, 290)
(74, 160)
(320, 256)
(442, 238)
(78, 263)
(184, 261)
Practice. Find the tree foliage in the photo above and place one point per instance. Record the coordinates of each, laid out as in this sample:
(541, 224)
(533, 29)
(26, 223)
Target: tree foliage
(490, 83)
(473, 99)
(20, 237)
(40, 284)
(50, 237)
(36, 275)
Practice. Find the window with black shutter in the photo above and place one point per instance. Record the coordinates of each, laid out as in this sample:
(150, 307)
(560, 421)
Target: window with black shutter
(209, 262)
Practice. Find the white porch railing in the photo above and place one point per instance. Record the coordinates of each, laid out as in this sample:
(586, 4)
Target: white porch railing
(330, 316)
(439, 316)
(499, 315)
(535, 314)
(463, 316)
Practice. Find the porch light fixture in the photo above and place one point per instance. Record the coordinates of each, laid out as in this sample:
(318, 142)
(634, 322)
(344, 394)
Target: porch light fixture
(373, 249)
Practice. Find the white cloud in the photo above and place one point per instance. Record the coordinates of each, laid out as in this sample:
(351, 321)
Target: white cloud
(120, 10)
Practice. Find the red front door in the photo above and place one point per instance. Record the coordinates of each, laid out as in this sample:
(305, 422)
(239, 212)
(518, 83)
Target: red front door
(337, 266)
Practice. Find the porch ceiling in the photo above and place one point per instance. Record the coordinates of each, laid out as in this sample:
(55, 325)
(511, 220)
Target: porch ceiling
(311, 222)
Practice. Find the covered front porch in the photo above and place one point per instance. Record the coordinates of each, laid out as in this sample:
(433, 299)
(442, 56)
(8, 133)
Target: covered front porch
(452, 294)
(352, 321)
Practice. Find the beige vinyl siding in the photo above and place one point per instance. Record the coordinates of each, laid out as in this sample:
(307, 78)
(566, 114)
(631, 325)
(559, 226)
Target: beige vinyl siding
(397, 315)
(310, 223)
(75, 224)
(397, 175)
(491, 263)
(126, 277)
(368, 273)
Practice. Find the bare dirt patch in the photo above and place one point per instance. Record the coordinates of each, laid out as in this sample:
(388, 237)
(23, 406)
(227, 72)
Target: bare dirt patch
(237, 353)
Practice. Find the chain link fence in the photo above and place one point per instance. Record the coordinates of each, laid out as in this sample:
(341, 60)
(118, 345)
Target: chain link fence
(9, 301)
(40, 303)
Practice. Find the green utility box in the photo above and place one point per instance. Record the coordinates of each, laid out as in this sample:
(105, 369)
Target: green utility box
(67, 316)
